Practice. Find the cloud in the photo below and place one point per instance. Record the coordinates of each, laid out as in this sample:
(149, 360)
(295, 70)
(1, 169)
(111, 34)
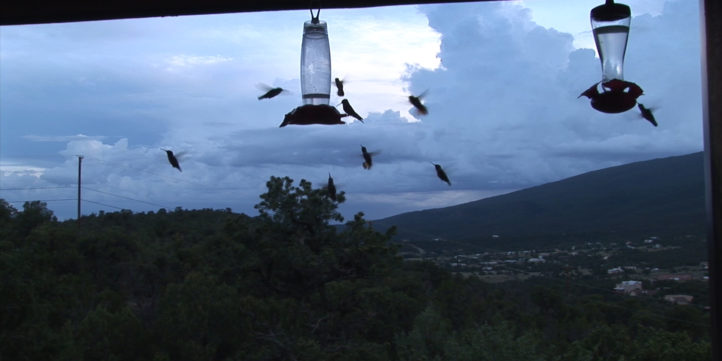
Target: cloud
(60, 138)
(502, 95)
(509, 86)
(184, 61)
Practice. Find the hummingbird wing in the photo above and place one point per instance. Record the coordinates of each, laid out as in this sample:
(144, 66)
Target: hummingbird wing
(263, 87)
(419, 111)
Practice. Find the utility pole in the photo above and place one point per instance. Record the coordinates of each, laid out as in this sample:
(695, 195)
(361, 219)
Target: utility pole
(80, 162)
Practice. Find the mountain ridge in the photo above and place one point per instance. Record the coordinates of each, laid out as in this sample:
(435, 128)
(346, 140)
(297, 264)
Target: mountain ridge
(663, 195)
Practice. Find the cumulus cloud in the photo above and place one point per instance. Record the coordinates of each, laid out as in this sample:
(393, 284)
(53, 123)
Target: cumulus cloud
(59, 138)
(501, 91)
(505, 101)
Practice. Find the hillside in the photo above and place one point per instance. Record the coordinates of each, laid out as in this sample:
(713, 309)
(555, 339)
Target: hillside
(189, 285)
(657, 197)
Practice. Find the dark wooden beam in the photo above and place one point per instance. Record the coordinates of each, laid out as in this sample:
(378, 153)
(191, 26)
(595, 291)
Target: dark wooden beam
(14, 12)
(711, 13)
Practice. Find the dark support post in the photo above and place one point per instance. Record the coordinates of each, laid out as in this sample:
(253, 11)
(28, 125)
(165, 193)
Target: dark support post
(80, 163)
(712, 112)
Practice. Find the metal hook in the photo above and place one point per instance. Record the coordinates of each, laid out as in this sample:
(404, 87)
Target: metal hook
(314, 19)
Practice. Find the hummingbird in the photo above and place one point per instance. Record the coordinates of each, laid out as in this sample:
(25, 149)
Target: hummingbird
(339, 87)
(271, 93)
(416, 102)
(331, 188)
(647, 114)
(368, 162)
(172, 159)
(441, 174)
(349, 110)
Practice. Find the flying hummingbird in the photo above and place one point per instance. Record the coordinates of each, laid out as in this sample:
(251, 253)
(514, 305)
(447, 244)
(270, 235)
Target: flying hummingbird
(270, 91)
(368, 162)
(339, 87)
(349, 110)
(416, 102)
(331, 188)
(172, 159)
(441, 174)
(647, 114)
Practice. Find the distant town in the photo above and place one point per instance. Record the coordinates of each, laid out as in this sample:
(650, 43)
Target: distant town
(590, 264)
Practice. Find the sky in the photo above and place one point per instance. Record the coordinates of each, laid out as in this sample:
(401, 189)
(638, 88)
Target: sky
(500, 79)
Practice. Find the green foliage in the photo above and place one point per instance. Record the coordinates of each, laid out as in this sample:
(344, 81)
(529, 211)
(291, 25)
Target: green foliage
(288, 285)
(34, 214)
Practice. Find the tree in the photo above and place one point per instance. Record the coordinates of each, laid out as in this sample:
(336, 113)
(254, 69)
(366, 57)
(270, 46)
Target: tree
(34, 214)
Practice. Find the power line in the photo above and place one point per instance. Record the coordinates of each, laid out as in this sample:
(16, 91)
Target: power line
(125, 197)
(44, 200)
(102, 204)
(86, 188)
(34, 188)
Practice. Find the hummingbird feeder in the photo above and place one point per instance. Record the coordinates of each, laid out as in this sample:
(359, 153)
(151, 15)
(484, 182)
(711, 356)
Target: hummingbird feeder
(315, 77)
(315, 62)
(610, 25)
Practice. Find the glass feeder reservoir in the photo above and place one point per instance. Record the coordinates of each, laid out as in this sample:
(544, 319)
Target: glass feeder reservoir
(315, 63)
(610, 25)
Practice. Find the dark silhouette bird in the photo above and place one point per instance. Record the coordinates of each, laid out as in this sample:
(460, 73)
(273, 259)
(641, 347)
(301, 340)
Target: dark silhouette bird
(331, 188)
(349, 110)
(416, 102)
(339, 87)
(441, 174)
(647, 114)
(368, 162)
(172, 159)
(271, 93)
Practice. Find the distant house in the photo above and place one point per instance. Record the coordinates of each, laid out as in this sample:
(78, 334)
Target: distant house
(631, 288)
(679, 299)
(674, 277)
